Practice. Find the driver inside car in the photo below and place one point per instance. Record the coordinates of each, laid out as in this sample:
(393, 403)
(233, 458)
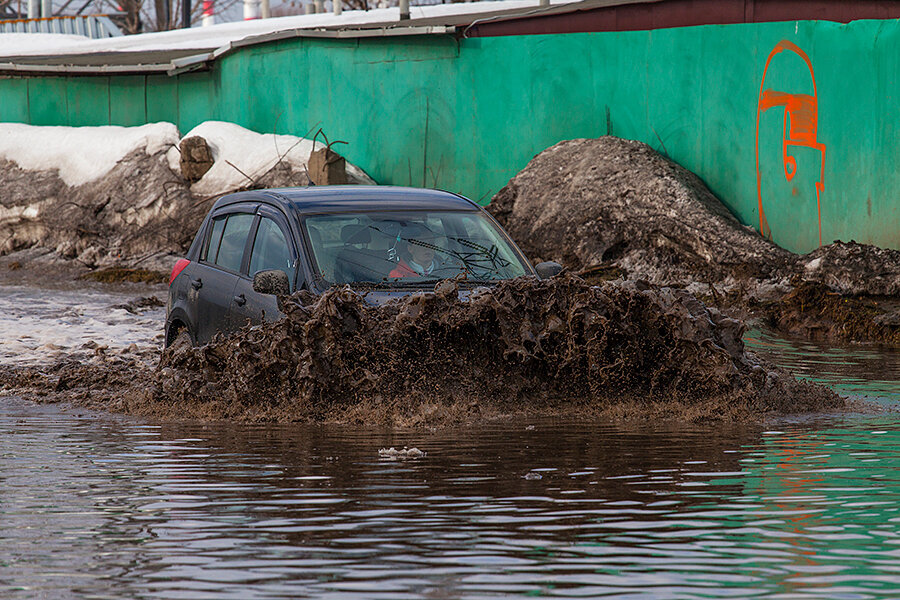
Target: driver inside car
(416, 247)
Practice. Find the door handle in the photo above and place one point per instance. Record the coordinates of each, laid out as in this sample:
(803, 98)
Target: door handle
(197, 283)
(240, 300)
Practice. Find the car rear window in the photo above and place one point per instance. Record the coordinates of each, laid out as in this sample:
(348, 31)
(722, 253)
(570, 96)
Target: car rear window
(211, 248)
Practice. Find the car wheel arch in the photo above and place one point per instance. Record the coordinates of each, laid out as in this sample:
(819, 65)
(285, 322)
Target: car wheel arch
(176, 324)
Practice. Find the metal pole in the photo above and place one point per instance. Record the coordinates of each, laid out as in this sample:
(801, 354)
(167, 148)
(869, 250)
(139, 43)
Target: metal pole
(320, 6)
(209, 13)
(186, 13)
(404, 10)
(33, 9)
(338, 7)
(265, 13)
(46, 9)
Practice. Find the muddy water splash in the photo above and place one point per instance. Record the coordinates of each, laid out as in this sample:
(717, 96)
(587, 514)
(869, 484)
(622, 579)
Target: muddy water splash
(524, 346)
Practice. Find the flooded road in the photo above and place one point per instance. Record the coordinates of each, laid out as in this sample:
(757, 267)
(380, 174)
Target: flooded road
(39, 325)
(105, 506)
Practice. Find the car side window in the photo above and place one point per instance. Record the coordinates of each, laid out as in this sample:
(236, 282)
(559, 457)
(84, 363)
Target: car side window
(234, 238)
(270, 248)
(211, 248)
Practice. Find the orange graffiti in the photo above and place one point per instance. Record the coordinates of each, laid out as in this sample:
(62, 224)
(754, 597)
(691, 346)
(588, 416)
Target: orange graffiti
(801, 123)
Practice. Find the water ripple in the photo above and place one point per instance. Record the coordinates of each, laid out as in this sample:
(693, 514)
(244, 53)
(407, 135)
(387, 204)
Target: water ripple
(102, 506)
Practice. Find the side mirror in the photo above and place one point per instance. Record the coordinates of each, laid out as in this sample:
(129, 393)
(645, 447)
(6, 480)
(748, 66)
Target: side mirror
(548, 269)
(274, 281)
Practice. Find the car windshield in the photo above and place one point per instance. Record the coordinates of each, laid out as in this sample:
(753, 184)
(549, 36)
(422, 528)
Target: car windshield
(410, 247)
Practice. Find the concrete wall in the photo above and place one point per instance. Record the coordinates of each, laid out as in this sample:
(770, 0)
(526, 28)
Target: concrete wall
(797, 121)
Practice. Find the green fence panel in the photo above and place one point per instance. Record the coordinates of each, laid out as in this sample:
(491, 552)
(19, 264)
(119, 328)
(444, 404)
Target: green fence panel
(162, 99)
(195, 100)
(128, 100)
(13, 100)
(87, 101)
(47, 101)
(793, 125)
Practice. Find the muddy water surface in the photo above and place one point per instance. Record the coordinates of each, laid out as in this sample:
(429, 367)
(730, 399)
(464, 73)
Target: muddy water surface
(95, 505)
(861, 370)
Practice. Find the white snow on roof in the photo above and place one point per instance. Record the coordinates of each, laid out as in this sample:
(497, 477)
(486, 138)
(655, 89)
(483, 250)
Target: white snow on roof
(80, 154)
(250, 154)
(38, 43)
(217, 36)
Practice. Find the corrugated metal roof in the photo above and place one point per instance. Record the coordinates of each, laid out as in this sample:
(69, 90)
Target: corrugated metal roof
(96, 27)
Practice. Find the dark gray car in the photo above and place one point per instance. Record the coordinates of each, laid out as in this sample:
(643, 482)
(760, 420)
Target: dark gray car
(387, 241)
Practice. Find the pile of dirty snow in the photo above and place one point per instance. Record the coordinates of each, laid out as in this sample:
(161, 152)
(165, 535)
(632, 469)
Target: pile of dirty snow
(610, 207)
(80, 155)
(854, 269)
(100, 195)
(116, 195)
(588, 201)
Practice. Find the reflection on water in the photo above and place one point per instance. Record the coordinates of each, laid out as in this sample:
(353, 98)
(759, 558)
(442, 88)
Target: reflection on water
(861, 370)
(106, 507)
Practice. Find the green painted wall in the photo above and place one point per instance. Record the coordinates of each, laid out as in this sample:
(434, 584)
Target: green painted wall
(467, 115)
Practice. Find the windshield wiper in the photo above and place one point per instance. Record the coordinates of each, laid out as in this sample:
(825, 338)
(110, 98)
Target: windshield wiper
(418, 282)
(365, 284)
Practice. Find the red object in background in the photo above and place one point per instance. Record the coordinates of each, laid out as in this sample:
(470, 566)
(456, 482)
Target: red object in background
(207, 8)
(178, 268)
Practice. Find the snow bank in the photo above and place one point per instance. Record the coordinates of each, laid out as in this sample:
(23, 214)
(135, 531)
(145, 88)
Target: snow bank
(115, 195)
(243, 157)
(80, 154)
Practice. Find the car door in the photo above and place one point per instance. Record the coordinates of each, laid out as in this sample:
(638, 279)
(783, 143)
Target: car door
(271, 247)
(219, 268)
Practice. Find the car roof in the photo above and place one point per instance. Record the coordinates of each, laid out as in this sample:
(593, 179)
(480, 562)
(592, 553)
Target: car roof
(349, 198)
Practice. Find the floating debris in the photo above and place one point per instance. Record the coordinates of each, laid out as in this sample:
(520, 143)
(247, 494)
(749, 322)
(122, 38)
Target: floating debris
(118, 274)
(139, 305)
(532, 476)
(405, 454)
